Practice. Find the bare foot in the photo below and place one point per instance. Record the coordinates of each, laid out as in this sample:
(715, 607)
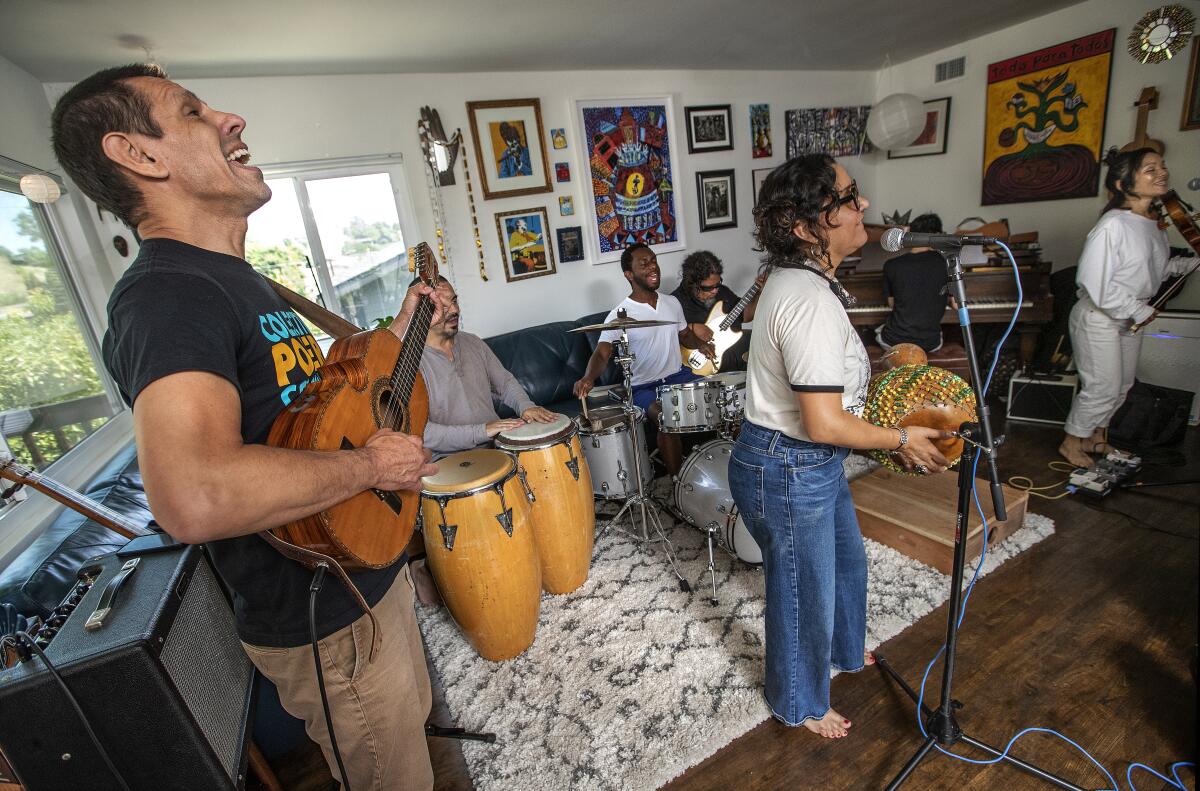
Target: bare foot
(1074, 450)
(1099, 442)
(868, 658)
(831, 726)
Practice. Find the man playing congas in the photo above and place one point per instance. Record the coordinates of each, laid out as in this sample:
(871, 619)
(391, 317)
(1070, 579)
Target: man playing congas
(463, 376)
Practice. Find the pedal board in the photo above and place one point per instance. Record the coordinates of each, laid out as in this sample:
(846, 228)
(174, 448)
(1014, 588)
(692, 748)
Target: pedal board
(1105, 475)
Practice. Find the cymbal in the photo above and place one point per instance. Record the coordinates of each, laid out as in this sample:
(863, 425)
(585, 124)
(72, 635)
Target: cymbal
(621, 324)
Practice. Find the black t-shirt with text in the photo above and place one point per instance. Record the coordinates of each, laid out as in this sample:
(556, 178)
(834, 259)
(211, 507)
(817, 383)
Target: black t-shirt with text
(915, 281)
(181, 308)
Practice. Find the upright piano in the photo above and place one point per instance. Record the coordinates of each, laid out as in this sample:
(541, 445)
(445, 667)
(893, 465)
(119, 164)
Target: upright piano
(991, 296)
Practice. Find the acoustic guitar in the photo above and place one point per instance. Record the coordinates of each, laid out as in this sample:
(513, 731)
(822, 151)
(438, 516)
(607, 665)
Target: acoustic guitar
(370, 380)
(81, 503)
(1147, 101)
(723, 337)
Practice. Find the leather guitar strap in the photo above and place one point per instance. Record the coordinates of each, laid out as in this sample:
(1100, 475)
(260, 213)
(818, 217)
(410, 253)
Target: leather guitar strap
(338, 327)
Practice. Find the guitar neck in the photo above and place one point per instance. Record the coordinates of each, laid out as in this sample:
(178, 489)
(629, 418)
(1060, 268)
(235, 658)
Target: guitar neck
(83, 504)
(746, 299)
(408, 364)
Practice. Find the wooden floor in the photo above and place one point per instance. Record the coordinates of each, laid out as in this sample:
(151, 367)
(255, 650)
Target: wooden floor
(1092, 633)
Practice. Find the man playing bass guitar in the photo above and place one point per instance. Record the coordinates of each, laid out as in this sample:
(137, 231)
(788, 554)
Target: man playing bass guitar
(207, 355)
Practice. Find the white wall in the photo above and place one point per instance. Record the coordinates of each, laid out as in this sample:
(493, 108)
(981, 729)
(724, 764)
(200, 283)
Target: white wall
(307, 118)
(951, 184)
(25, 120)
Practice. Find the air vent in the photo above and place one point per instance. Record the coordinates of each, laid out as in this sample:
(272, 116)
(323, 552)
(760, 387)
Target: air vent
(950, 69)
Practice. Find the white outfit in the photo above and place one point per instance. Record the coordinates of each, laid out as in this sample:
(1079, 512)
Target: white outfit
(1125, 259)
(655, 349)
(803, 341)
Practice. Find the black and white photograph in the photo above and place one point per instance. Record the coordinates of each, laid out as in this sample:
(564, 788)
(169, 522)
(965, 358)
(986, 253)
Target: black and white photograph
(709, 128)
(570, 243)
(717, 200)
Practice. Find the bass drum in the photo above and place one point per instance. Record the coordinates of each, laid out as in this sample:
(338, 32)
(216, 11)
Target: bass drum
(703, 498)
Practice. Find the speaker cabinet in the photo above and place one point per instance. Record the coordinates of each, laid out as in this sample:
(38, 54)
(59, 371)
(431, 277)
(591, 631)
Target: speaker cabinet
(1041, 400)
(164, 683)
(1171, 355)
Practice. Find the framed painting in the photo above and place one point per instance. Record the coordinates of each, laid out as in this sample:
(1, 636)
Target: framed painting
(932, 139)
(757, 177)
(709, 128)
(628, 151)
(1044, 122)
(717, 199)
(570, 244)
(523, 241)
(1191, 95)
(760, 131)
(509, 150)
(836, 131)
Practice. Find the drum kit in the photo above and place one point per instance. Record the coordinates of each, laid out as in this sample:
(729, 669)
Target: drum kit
(614, 445)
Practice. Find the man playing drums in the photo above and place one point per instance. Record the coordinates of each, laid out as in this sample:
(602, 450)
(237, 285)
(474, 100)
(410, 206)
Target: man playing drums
(655, 349)
(462, 376)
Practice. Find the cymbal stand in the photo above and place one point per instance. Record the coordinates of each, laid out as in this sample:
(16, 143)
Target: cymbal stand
(639, 504)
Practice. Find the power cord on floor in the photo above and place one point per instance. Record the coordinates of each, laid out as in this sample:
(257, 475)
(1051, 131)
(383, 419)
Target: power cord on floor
(1139, 523)
(314, 588)
(1025, 484)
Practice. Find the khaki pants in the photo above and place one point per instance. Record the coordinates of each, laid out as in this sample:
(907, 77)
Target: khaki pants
(378, 708)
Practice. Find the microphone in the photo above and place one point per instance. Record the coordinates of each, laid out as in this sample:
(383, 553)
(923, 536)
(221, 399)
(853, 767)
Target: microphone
(897, 238)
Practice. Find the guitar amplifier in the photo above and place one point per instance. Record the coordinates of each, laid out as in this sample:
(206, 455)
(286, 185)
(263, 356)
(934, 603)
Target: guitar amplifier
(162, 680)
(1041, 399)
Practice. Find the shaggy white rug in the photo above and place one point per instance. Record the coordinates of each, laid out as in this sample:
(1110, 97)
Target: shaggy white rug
(630, 680)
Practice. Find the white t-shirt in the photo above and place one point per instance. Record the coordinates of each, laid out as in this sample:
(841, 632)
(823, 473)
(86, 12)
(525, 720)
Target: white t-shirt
(803, 341)
(1124, 261)
(655, 349)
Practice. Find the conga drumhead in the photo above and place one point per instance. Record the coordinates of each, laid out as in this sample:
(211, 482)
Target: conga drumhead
(468, 470)
(535, 435)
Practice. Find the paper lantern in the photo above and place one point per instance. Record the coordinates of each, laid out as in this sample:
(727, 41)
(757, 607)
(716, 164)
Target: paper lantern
(40, 188)
(896, 121)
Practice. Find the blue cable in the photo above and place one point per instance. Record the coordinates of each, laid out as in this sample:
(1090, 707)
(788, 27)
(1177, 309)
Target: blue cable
(1177, 782)
(971, 587)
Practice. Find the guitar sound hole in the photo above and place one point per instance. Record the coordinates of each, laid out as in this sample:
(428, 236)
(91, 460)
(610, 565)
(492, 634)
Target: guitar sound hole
(390, 412)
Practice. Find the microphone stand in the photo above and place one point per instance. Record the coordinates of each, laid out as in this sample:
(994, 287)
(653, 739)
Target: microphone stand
(941, 725)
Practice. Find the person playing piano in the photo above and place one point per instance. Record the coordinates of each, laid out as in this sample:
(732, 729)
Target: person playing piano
(913, 285)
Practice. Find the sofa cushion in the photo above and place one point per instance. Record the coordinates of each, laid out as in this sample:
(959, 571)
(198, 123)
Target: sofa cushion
(547, 360)
(36, 582)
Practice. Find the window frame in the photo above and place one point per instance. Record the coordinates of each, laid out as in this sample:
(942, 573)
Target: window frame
(303, 171)
(24, 519)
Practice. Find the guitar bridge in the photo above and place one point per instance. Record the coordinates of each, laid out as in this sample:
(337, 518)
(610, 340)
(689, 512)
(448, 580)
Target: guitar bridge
(391, 499)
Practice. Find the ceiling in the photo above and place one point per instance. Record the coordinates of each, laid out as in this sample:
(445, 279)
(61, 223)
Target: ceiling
(64, 40)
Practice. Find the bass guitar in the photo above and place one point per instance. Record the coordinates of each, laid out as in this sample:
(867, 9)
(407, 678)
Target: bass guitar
(723, 336)
(97, 512)
(371, 380)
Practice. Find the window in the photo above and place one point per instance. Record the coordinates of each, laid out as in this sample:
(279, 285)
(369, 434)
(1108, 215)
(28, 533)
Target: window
(336, 232)
(52, 391)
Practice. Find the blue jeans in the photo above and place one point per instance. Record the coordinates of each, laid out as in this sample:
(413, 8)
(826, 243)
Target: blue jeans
(795, 501)
(646, 393)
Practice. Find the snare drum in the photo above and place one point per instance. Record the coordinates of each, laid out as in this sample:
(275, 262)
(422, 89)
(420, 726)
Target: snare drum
(609, 452)
(481, 550)
(731, 398)
(703, 498)
(689, 407)
(564, 516)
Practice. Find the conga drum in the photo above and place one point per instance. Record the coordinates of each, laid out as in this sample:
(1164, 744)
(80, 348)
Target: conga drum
(480, 549)
(920, 395)
(564, 516)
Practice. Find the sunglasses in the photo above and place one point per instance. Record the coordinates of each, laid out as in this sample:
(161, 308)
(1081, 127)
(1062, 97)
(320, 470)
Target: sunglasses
(851, 196)
(700, 287)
